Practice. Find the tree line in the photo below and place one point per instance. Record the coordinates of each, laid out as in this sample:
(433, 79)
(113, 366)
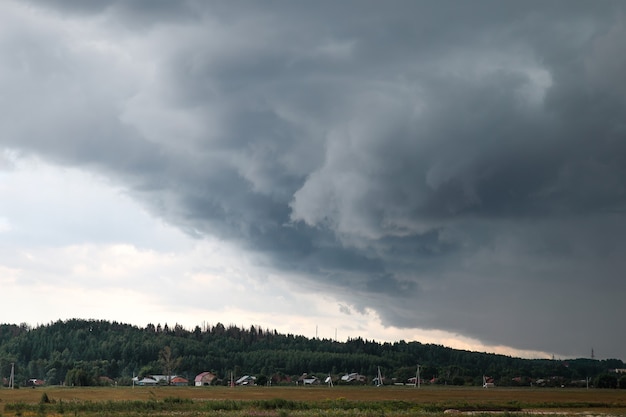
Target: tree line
(84, 352)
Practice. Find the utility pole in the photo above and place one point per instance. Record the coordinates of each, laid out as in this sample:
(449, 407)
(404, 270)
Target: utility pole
(12, 377)
(417, 377)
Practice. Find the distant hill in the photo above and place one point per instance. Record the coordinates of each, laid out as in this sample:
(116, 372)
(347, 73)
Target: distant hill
(81, 352)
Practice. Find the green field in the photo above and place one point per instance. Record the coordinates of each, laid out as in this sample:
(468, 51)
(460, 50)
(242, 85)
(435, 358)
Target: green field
(318, 401)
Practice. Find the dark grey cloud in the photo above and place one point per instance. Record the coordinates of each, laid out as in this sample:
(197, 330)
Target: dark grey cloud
(455, 166)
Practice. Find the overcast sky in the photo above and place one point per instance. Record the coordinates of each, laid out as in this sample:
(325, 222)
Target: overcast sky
(442, 171)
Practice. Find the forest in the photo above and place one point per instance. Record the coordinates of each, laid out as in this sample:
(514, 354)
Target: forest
(88, 352)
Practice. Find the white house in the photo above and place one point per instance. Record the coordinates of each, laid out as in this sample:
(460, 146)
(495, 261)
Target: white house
(353, 377)
(147, 382)
(246, 380)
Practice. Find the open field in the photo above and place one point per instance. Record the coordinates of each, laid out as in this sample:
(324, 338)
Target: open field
(305, 401)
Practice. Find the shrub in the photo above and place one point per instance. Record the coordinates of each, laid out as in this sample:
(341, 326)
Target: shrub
(60, 407)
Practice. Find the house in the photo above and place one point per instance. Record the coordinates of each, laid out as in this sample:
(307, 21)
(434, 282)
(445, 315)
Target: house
(147, 382)
(413, 381)
(105, 380)
(179, 381)
(378, 381)
(307, 379)
(353, 378)
(34, 382)
(278, 378)
(162, 379)
(205, 379)
(246, 380)
(151, 380)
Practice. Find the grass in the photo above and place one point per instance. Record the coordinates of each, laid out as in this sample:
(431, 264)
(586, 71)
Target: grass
(303, 401)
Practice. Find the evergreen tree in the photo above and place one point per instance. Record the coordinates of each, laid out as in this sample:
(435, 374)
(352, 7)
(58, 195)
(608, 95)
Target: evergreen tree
(81, 351)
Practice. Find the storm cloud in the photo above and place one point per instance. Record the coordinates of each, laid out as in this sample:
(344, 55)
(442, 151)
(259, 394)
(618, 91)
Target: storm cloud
(453, 166)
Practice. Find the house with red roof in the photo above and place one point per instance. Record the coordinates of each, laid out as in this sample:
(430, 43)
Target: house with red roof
(179, 381)
(205, 379)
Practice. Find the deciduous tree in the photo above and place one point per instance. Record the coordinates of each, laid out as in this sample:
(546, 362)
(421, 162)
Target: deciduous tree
(168, 362)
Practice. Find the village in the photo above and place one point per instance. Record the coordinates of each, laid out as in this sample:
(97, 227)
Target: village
(204, 379)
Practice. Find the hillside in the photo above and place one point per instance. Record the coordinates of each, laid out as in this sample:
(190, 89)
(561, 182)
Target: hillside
(78, 352)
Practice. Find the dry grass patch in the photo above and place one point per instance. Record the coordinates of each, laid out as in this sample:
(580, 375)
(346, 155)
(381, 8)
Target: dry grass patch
(369, 401)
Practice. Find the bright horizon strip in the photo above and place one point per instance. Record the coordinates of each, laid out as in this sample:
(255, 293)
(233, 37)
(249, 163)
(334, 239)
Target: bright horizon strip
(107, 280)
